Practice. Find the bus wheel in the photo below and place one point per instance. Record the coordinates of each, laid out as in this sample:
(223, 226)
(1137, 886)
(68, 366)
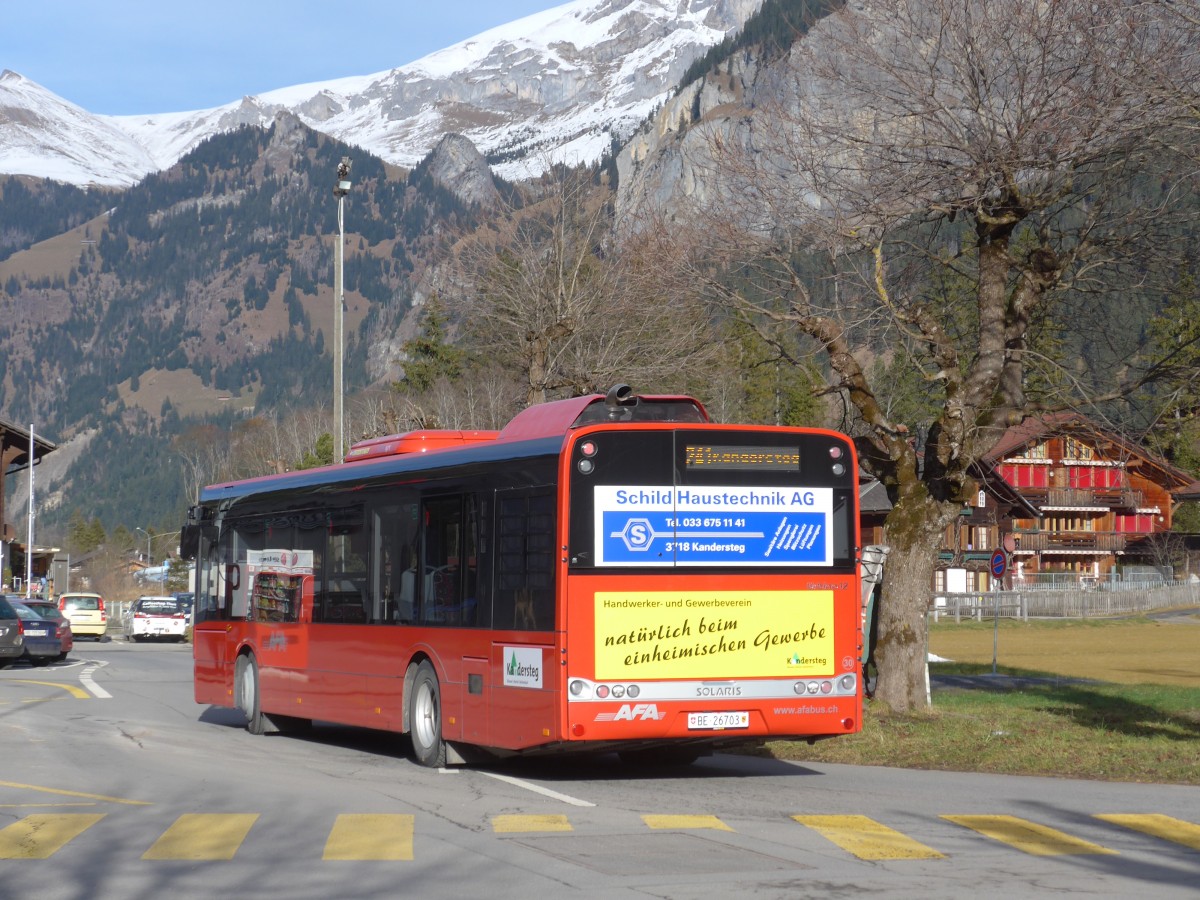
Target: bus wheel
(246, 689)
(425, 718)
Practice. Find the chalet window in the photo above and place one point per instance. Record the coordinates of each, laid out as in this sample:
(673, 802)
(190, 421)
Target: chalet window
(981, 538)
(1068, 523)
(1075, 449)
(1025, 476)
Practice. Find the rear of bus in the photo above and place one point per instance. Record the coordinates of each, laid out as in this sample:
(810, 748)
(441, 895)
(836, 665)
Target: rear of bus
(712, 592)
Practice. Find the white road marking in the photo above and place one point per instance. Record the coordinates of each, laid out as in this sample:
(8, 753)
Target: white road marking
(538, 789)
(85, 678)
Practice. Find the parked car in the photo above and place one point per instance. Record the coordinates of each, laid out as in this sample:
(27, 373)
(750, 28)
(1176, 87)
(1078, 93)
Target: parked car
(42, 643)
(12, 637)
(86, 612)
(156, 617)
(48, 610)
(188, 599)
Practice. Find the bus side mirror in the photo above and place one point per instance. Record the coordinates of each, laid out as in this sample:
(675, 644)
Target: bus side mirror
(189, 541)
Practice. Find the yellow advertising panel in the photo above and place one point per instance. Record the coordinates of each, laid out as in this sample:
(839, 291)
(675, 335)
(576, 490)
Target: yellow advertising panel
(713, 634)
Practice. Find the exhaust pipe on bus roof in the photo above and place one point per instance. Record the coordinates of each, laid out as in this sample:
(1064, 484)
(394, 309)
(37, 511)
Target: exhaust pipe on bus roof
(620, 395)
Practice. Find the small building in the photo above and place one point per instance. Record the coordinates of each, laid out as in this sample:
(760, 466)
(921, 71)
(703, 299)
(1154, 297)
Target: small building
(1070, 502)
(18, 451)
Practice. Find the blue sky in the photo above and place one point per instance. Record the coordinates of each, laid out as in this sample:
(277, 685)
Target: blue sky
(118, 57)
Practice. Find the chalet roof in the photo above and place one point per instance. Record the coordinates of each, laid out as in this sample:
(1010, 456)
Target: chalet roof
(872, 495)
(17, 438)
(1110, 444)
(1187, 492)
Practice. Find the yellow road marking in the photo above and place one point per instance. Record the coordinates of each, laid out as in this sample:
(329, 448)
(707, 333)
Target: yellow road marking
(62, 793)
(39, 835)
(371, 836)
(508, 824)
(203, 836)
(44, 805)
(77, 693)
(670, 822)
(1160, 826)
(1028, 837)
(868, 839)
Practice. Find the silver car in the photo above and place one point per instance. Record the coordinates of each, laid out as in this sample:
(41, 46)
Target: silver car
(12, 639)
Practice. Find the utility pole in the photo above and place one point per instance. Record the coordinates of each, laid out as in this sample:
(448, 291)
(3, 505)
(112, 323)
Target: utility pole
(340, 189)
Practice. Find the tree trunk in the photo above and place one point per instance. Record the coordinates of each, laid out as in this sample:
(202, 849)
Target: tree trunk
(914, 530)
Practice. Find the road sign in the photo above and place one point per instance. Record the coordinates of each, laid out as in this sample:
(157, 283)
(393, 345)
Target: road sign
(999, 563)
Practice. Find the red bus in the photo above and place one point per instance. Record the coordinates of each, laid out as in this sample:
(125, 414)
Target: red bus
(605, 573)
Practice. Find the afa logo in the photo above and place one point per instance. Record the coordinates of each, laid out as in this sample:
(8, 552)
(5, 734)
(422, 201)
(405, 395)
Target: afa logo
(644, 712)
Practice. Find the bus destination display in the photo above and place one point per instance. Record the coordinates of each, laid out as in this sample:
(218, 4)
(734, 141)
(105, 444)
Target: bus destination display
(713, 456)
(713, 525)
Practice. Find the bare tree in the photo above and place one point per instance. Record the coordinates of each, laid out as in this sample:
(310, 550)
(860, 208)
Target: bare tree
(545, 297)
(937, 179)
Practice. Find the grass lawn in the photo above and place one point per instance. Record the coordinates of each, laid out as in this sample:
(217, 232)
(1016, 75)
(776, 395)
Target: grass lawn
(1113, 700)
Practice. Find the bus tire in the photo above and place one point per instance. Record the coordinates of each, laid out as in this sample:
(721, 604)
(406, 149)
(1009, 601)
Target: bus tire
(425, 718)
(245, 688)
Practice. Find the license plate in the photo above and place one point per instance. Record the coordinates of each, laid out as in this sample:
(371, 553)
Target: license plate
(717, 721)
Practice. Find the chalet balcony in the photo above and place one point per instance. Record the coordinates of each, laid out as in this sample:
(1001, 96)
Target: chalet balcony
(1091, 498)
(1070, 542)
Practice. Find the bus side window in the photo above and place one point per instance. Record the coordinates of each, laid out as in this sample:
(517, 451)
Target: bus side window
(240, 536)
(394, 563)
(524, 597)
(441, 581)
(310, 535)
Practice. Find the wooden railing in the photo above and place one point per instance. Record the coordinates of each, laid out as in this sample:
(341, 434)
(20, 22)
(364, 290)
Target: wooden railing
(1083, 498)
(1095, 541)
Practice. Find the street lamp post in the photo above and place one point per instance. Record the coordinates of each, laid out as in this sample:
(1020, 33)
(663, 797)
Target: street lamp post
(340, 189)
(149, 561)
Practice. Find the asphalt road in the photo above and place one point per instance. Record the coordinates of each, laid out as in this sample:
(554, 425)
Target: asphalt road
(115, 785)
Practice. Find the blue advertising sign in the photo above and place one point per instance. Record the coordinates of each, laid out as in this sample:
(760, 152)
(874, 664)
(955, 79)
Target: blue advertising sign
(713, 525)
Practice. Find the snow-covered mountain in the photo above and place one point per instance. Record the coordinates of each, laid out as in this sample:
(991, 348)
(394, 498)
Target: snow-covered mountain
(559, 85)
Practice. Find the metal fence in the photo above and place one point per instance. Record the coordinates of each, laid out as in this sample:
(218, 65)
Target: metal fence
(1070, 603)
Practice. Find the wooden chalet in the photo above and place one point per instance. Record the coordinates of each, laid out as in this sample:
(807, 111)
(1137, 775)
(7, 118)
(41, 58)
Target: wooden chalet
(1066, 499)
(16, 454)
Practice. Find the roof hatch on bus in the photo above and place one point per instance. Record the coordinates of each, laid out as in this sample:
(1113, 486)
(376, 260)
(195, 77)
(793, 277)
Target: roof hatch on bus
(554, 419)
(424, 441)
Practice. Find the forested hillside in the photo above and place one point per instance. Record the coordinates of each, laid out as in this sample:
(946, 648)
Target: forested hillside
(216, 272)
(187, 320)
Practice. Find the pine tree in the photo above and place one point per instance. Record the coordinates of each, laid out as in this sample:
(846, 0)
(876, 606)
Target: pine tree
(429, 357)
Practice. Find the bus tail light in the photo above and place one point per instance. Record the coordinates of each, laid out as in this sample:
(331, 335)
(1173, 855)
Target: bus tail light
(585, 465)
(848, 724)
